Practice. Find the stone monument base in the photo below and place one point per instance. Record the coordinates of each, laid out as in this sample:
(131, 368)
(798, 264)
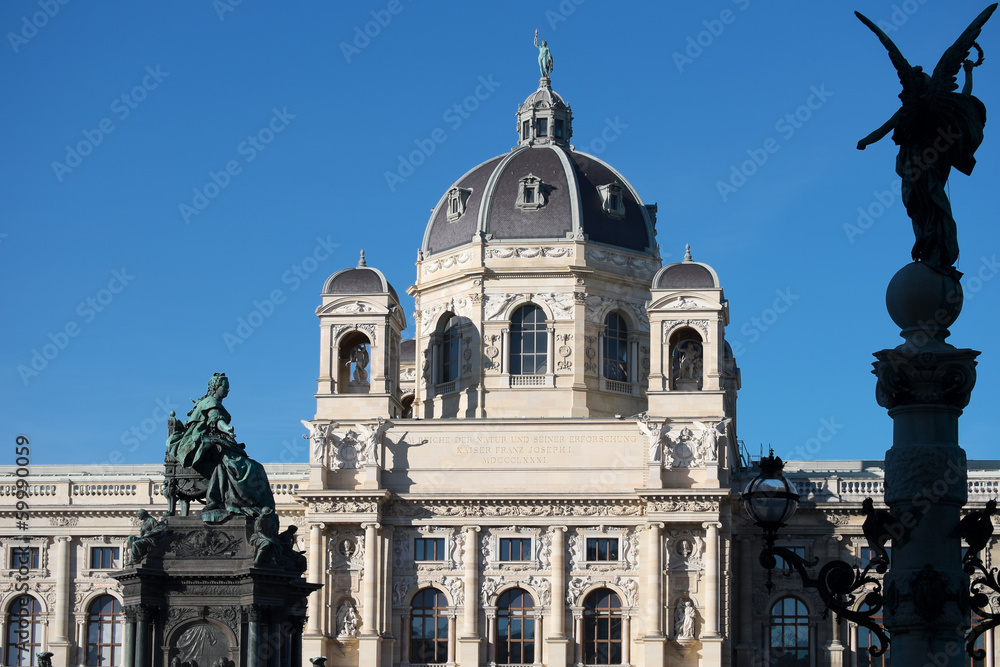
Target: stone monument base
(198, 599)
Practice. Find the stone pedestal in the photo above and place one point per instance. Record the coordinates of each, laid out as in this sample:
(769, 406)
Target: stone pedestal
(197, 595)
(925, 383)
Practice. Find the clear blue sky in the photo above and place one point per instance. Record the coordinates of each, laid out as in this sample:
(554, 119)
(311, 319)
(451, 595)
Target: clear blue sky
(99, 244)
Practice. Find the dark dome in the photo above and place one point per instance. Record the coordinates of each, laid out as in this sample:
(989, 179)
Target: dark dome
(361, 279)
(686, 275)
(571, 185)
(408, 351)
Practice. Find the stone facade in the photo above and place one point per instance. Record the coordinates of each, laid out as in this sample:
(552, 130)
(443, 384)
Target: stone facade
(547, 473)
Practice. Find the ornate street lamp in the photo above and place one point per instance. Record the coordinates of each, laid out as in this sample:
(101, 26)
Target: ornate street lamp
(770, 500)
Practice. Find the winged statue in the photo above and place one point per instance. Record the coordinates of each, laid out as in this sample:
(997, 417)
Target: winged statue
(936, 129)
(370, 438)
(709, 436)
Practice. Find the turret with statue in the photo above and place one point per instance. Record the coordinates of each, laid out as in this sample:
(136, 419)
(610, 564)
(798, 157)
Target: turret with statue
(221, 585)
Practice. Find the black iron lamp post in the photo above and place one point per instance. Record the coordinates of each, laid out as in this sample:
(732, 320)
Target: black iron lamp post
(771, 500)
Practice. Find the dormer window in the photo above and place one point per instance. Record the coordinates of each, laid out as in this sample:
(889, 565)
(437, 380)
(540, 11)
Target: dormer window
(558, 129)
(526, 130)
(530, 193)
(543, 127)
(457, 198)
(613, 199)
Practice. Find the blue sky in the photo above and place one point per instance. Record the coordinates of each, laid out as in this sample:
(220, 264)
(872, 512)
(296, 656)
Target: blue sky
(170, 168)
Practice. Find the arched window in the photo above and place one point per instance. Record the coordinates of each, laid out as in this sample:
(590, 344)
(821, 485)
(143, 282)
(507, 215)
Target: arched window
(686, 360)
(515, 628)
(528, 341)
(24, 631)
(104, 632)
(789, 633)
(450, 349)
(429, 627)
(602, 628)
(615, 348)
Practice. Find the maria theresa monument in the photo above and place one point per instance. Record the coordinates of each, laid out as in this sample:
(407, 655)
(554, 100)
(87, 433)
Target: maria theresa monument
(547, 473)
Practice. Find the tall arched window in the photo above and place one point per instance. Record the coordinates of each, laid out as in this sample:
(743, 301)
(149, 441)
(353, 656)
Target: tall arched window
(24, 631)
(528, 341)
(450, 349)
(104, 632)
(615, 348)
(516, 628)
(789, 633)
(602, 628)
(429, 627)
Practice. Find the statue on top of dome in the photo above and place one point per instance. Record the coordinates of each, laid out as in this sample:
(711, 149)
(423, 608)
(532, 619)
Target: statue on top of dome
(544, 56)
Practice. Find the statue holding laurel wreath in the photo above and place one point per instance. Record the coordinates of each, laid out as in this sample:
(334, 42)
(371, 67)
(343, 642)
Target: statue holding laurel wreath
(936, 129)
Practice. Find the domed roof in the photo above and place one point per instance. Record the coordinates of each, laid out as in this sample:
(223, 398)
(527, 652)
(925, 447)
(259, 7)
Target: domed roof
(543, 189)
(572, 205)
(361, 279)
(686, 275)
(542, 98)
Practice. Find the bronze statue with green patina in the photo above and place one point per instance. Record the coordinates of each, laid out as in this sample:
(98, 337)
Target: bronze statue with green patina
(236, 484)
(545, 61)
(936, 129)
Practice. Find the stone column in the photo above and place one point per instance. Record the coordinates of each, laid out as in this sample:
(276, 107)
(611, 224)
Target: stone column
(144, 637)
(451, 637)
(63, 581)
(253, 636)
(651, 589)
(316, 568)
(81, 642)
(711, 597)
(835, 647)
(404, 650)
(369, 639)
(550, 358)
(491, 635)
(924, 384)
(129, 647)
(296, 649)
(626, 639)
(557, 641)
(469, 654)
(578, 634)
(505, 353)
(711, 640)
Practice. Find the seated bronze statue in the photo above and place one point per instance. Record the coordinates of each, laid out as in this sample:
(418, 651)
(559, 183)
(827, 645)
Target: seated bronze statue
(205, 462)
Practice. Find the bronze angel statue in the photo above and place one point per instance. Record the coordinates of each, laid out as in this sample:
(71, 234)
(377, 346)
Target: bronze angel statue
(936, 129)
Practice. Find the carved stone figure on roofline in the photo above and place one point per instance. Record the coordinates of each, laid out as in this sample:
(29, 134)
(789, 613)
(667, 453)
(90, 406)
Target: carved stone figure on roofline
(936, 129)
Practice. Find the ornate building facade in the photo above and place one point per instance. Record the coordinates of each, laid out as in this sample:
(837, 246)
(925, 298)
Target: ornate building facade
(546, 474)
